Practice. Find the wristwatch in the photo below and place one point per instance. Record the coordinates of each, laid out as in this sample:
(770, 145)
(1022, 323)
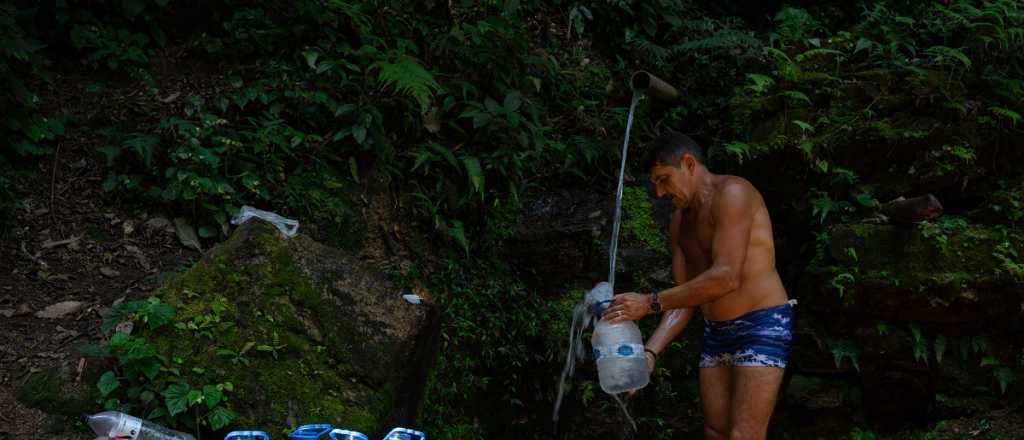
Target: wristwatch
(655, 305)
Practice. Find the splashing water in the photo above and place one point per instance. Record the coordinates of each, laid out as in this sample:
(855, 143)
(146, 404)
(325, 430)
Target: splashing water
(581, 316)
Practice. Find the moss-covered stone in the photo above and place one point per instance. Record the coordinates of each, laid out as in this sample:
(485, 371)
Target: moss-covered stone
(637, 220)
(301, 330)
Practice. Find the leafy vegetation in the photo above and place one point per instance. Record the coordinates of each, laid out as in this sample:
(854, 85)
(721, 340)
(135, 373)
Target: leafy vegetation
(461, 111)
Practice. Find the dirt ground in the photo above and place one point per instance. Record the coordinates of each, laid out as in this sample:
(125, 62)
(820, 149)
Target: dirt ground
(72, 254)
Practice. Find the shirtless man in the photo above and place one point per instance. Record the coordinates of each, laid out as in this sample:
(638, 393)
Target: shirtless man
(723, 260)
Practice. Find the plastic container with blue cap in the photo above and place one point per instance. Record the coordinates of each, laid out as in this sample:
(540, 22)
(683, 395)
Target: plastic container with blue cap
(345, 434)
(310, 432)
(405, 434)
(618, 348)
(247, 435)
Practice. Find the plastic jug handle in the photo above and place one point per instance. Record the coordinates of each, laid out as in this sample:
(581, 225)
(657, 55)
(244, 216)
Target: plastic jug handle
(348, 435)
(246, 435)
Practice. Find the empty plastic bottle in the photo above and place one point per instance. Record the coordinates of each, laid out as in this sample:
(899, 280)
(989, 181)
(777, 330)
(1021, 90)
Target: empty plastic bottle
(121, 426)
(618, 348)
(247, 435)
(405, 434)
(345, 434)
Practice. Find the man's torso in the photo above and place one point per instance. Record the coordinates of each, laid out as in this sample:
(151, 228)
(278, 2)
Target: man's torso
(760, 285)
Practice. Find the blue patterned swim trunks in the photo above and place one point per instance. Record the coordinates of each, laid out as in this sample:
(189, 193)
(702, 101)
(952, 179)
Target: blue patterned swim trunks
(760, 338)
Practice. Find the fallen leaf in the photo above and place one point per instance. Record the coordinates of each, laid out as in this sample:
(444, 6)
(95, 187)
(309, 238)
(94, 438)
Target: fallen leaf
(60, 310)
(109, 273)
(7, 313)
(170, 98)
(187, 234)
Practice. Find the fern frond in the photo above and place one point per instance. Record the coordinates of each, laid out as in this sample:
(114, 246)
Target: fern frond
(407, 77)
(761, 83)
(945, 54)
(796, 96)
(1006, 113)
(818, 52)
(647, 48)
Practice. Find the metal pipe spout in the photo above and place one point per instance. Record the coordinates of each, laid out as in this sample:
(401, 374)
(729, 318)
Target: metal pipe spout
(653, 87)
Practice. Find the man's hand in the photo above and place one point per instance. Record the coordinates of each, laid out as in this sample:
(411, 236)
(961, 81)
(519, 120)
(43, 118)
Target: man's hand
(628, 306)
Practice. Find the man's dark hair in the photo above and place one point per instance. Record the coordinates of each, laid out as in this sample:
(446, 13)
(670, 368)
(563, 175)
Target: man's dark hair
(669, 147)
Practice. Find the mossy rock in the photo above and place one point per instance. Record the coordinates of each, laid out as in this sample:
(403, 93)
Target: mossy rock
(322, 338)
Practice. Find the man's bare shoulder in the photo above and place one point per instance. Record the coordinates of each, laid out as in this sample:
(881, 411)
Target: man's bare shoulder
(736, 189)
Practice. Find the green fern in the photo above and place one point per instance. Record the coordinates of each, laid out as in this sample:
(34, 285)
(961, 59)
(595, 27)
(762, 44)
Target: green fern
(819, 52)
(1006, 113)
(761, 83)
(409, 78)
(796, 96)
(943, 54)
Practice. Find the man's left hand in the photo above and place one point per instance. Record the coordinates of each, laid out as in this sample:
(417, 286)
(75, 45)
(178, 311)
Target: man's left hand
(628, 306)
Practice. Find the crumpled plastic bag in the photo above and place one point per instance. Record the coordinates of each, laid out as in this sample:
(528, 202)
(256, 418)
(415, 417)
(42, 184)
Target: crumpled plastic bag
(287, 226)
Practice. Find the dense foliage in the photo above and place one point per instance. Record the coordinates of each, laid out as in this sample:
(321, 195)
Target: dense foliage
(464, 109)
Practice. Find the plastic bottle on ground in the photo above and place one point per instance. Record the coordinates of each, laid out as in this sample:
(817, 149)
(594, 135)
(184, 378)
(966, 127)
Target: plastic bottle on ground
(121, 426)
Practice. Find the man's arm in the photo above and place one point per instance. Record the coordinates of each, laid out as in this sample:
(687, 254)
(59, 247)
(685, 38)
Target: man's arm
(734, 215)
(673, 321)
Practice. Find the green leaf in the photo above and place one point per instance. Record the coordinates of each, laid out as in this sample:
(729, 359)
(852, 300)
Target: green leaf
(845, 350)
(862, 44)
(150, 368)
(359, 133)
(804, 126)
(194, 397)
(512, 101)
(988, 361)
(147, 396)
(212, 396)
(940, 348)
(108, 383)
(220, 417)
(476, 174)
(1004, 375)
(176, 398)
(311, 56)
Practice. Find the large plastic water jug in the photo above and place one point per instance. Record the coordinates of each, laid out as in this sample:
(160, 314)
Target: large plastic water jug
(618, 348)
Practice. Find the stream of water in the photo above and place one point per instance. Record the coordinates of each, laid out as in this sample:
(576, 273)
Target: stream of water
(581, 317)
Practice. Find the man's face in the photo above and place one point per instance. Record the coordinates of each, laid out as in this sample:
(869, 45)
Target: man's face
(675, 182)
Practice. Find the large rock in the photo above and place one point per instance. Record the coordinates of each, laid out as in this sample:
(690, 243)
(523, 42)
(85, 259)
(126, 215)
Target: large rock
(324, 339)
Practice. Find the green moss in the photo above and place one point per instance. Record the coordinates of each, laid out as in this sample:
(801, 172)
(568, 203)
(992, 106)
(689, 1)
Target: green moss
(47, 391)
(262, 299)
(638, 224)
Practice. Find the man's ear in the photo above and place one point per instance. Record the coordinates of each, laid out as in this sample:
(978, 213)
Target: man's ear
(688, 162)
